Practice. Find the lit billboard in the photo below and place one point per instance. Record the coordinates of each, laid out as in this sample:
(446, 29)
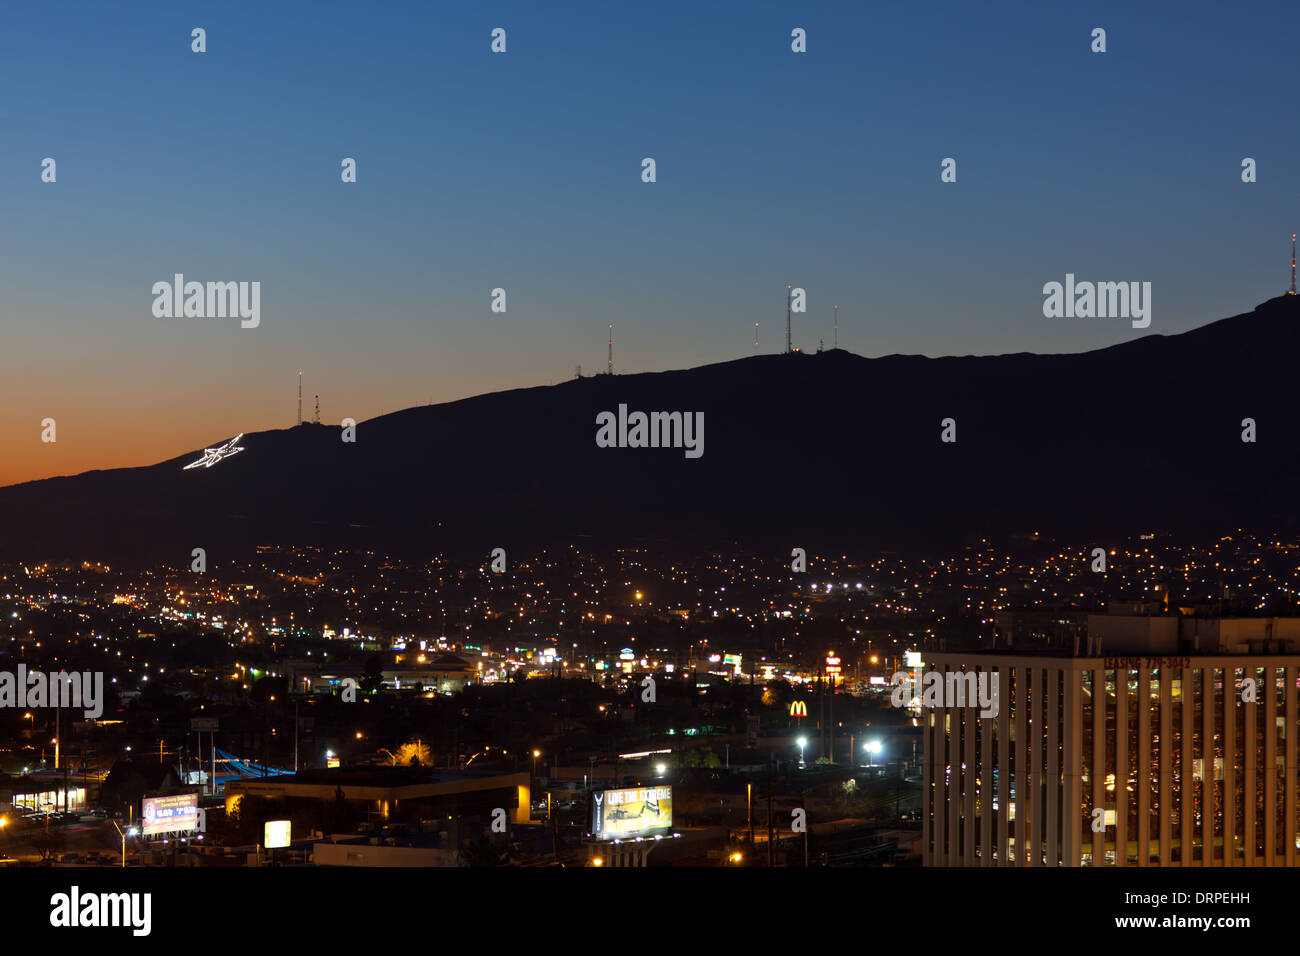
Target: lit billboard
(178, 813)
(276, 834)
(631, 813)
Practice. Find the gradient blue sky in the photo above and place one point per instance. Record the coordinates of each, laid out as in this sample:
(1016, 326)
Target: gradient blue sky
(522, 171)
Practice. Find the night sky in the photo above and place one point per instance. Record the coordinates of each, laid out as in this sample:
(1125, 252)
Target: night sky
(523, 171)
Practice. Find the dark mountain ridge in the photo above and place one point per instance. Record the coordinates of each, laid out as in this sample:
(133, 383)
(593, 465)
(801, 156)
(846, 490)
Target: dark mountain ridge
(830, 450)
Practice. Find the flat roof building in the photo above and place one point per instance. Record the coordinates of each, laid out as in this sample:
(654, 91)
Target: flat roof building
(396, 792)
(1159, 741)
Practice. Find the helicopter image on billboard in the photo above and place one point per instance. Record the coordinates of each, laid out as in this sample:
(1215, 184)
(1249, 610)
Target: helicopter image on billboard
(633, 812)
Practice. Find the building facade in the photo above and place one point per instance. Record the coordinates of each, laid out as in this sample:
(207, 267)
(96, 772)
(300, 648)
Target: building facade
(1176, 748)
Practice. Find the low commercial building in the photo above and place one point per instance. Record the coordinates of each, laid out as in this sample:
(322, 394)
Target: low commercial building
(397, 793)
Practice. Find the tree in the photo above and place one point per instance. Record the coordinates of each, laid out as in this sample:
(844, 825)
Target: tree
(480, 852)
(373, 677)
(414, 753)
(44, 841)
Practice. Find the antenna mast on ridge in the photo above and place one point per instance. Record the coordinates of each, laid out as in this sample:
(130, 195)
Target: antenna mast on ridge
(787, 319)
(1292, 291)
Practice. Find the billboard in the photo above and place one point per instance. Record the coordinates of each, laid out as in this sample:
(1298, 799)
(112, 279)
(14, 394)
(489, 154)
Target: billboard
(634, 812)
(276, 834)
(178, 813)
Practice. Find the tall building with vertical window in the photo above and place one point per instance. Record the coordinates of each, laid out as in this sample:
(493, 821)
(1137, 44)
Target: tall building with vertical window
(1161, 741)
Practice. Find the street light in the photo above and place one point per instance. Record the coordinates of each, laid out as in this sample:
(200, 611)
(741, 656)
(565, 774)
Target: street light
(803, 742)
(130, 832)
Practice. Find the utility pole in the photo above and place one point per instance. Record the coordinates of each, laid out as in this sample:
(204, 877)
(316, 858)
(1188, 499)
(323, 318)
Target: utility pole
(805, 827)
(555, 830)
(771, 835)
(821, 710)
(749, 810)
(830, 729)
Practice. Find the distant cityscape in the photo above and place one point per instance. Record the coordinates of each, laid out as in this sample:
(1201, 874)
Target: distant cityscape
(438, 714)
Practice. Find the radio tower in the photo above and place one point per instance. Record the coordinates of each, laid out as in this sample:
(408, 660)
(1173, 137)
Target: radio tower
(787, 319)
(1292, 290)
(317, 418)
(299, 396)
(609, 368)
(837, 326)
(755, 335)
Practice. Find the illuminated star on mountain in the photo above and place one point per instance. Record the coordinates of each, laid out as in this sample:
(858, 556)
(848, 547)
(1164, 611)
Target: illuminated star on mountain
(213, 455)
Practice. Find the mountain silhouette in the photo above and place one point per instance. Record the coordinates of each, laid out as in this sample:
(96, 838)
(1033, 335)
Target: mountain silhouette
(827, 450)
